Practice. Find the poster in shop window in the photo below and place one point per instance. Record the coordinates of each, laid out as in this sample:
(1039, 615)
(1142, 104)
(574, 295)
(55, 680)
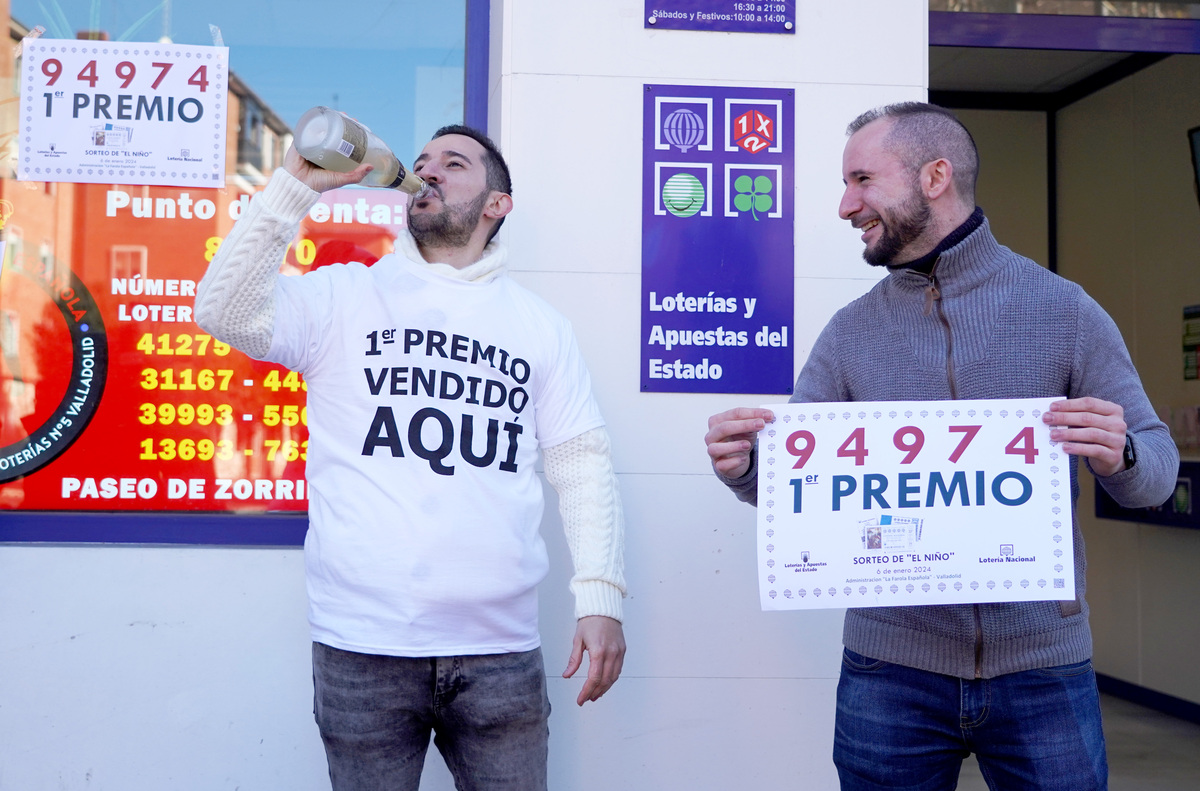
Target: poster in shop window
(110, 112)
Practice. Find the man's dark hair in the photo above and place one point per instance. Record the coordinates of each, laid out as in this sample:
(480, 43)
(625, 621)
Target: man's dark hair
(498, 178)
(921, 133)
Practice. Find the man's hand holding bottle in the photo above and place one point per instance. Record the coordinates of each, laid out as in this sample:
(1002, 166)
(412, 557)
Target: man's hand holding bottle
(317, 178)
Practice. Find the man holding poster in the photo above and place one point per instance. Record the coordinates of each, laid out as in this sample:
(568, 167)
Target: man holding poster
(960, 317)
(434, 383)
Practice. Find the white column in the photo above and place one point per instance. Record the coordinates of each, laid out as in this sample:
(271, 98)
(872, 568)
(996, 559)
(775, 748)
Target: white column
(715, 693)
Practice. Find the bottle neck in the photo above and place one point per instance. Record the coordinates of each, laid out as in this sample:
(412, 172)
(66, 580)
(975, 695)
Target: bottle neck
(409, 182)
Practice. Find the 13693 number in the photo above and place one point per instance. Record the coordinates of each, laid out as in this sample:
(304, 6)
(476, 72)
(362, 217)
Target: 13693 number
(166, 449)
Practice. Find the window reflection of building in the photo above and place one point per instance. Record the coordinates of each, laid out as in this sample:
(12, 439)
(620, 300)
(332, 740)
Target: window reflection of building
(128, 260)
(262, 137)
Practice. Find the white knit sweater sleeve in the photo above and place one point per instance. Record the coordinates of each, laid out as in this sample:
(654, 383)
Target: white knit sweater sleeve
(235, 301)
(581, 471)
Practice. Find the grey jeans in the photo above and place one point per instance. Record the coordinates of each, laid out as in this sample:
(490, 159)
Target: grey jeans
(488, 715)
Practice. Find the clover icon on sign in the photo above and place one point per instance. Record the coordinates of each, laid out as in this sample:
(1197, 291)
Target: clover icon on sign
(753, 194)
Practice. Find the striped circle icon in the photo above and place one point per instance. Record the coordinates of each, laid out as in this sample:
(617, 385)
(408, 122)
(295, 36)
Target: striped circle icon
(683, 195)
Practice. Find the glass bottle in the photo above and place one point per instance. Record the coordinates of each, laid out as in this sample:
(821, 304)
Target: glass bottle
(333, 141)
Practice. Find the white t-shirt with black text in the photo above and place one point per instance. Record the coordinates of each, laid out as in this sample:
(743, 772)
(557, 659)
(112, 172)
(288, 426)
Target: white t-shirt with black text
(428, 398)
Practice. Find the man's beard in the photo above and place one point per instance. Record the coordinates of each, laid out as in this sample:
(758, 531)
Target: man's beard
(450, 227)
(901, 227)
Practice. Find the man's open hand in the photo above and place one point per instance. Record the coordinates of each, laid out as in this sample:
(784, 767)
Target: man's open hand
(604, 641)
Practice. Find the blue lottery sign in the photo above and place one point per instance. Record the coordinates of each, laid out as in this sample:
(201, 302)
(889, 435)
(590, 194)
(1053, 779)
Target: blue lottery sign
(717, 240)
(733, 16)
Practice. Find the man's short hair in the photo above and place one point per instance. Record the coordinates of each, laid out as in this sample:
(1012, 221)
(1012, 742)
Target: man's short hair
(921, 133)
(498, 178)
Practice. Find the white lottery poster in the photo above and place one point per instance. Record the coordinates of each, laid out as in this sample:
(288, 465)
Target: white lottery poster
(113, 112)
(881, 504)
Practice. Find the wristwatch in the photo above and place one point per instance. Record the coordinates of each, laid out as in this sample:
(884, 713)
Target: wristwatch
(1128, 455)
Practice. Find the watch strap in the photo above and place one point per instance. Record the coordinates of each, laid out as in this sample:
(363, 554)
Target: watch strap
(1129, 457)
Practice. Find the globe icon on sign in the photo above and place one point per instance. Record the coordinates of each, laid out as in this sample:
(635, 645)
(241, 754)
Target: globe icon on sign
(683, 128)
(683, 194)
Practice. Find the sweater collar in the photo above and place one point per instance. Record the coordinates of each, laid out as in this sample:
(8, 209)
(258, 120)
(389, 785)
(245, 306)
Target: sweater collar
(960, 266)
(485, 270)
(924, 264)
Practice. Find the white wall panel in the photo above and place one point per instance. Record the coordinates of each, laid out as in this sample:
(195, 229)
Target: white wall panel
(739, 733)
(693, 606)
(862, 42)
(577, 207)
(152, 668)
(716, 694)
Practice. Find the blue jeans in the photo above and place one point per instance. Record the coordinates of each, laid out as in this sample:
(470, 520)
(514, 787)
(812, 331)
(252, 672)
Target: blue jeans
(488, 714)
(902, 728)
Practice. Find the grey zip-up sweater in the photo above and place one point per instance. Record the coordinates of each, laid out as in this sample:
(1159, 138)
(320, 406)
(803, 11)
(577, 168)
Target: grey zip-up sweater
(985, 323)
